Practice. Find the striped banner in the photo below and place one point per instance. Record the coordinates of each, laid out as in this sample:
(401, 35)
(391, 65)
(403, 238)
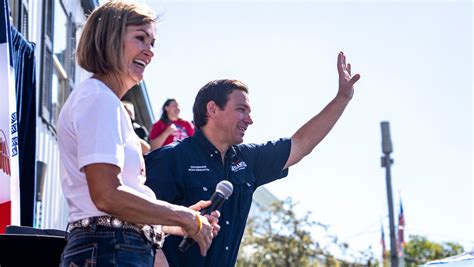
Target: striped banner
(9, 178)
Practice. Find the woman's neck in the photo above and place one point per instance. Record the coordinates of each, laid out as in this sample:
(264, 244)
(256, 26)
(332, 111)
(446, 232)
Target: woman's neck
(113, 82)
(173, 118)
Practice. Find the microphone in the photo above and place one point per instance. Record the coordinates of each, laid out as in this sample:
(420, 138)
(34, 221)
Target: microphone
(223, 190)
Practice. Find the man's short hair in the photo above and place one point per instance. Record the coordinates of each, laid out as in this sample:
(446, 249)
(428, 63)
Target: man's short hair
(217, 91)
(100, 47)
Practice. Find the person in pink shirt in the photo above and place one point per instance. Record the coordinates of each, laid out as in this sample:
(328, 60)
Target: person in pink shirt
(170, 127)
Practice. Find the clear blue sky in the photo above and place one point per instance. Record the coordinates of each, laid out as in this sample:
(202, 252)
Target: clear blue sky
(416, 65)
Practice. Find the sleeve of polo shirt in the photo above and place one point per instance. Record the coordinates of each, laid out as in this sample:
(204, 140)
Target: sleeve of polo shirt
(98, 129)
(269, 160)
(160, 175)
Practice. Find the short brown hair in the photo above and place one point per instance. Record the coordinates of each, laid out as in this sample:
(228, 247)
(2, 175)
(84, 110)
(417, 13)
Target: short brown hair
(100, 46)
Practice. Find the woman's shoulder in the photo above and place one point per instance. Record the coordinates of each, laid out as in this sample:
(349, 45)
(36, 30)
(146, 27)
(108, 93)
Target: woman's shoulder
(159, 124)
(91, 95)
(91, 89)
(93, 86)
(161, 121)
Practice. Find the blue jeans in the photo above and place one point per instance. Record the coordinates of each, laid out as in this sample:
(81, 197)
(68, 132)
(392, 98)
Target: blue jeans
(105, 246)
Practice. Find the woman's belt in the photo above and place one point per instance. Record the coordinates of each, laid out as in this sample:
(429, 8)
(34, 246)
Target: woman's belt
(154, 234)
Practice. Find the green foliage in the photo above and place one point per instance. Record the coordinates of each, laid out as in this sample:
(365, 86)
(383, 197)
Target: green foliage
(420, 250)
(277, 237)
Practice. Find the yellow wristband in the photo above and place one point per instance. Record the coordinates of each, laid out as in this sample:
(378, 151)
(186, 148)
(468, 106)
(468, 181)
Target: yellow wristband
(199, 222)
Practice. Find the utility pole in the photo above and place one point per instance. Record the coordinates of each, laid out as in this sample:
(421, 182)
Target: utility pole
(386, 163)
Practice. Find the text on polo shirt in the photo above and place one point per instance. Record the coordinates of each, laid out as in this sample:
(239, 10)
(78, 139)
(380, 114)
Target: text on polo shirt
(202, 168)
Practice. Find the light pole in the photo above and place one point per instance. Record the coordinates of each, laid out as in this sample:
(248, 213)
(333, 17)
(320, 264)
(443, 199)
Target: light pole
(386, 163)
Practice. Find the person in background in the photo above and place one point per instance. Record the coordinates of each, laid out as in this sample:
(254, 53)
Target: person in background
(170, 127)
(114, 219)
(140, 130)
(189, 169)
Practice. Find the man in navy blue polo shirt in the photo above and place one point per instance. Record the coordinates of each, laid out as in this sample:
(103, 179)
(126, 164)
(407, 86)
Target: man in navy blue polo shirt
(187, 171)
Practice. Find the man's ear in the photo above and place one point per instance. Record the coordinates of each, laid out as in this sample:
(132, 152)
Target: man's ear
(211, 108)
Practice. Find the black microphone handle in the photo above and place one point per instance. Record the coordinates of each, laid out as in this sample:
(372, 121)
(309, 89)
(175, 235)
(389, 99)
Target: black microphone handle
(186, 244)
(217, 200)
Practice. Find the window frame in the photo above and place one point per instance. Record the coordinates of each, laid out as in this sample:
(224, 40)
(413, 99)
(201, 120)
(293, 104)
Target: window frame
(56, 74)
(19, 12)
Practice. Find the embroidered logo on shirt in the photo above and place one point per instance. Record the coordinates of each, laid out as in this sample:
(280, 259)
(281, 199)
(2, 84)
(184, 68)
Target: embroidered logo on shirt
(202, 168)
(238, 165)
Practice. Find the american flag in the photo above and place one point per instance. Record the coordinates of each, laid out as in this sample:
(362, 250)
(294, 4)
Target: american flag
(382, 242)
(401, 228)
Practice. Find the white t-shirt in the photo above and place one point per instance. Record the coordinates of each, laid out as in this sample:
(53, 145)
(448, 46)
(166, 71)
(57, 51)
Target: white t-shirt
(94, 127)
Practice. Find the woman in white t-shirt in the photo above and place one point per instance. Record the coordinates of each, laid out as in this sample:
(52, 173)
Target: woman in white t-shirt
(113, 216)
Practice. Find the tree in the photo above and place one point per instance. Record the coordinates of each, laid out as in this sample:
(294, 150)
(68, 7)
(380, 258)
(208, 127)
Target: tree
(277, 237)
(420, 250)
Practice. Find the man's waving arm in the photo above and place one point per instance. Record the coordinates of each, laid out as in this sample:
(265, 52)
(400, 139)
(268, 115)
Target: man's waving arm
(312, 132)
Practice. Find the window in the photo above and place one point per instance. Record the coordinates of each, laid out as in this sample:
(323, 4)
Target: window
(19, 13)
(58, 64)
(47, 61)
